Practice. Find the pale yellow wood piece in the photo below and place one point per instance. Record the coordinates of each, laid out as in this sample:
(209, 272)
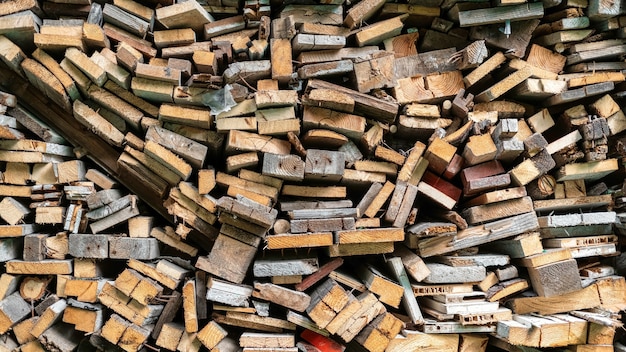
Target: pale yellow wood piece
(479, 149)
(484, 69)
(93, 36)
(182, 15)
(95, 73)
(189, 307)
(151, 271)
(211, 334)
(84, 320)
(49, 317)
(379, 31)
(379, 200)
(45, 267)
(169, 159)
(504, 85)
(174, 37)
(361, 12)
(369, 235)
(314, 192)
(170, 336)
(280, 53)
(304, 240)
(238, 141)
(341, 250)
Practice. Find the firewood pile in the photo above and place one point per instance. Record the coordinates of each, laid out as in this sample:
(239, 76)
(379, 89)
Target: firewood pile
(351, 175)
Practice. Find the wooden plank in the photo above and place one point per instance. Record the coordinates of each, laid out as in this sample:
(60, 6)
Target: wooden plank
(369, 235)
(500, 14)
(365, 105)
(504, 85)
(408, 299)
(582, 299)
(46, 267)
(480, 234)
(589, 171)
(502, 209)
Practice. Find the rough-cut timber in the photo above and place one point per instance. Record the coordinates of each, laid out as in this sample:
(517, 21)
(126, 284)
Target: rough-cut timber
(264, 176)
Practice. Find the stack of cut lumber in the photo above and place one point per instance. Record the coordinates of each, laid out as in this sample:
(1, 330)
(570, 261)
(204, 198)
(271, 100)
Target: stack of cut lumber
(366, 175)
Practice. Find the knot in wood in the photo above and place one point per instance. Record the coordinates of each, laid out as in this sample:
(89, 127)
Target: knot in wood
(546, 184)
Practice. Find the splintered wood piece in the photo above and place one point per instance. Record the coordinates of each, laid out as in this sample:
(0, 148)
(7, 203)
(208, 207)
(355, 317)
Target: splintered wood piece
(329, 99)
(352, 126)
(168, 158)
(477, 235)
(401, 204)
(193, 152)
(255, 185)
(248, 211)
(254, 321)
(57, 71)
(506, 288)
(189, 307)
(364, 104)
(362, 12)
(40, 77)
(377, 72)
(95, 122)
(239, 141)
